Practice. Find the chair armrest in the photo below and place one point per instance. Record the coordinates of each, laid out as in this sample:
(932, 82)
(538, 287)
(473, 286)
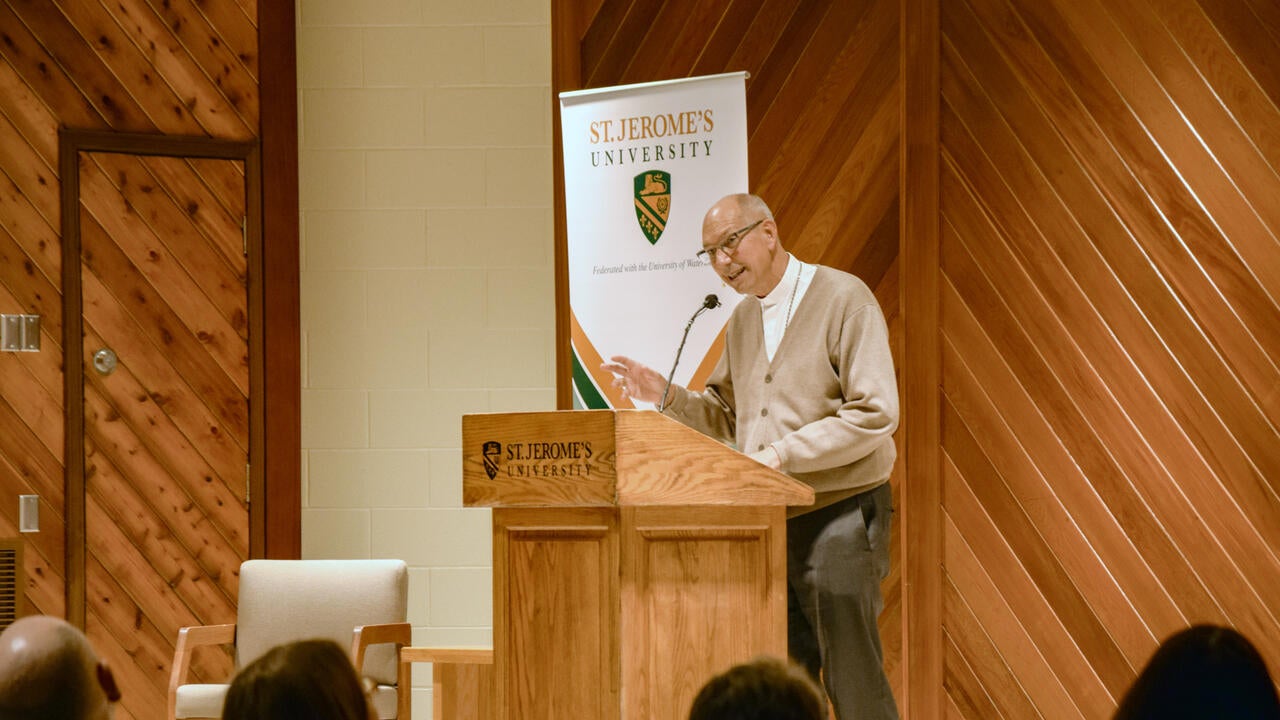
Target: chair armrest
(366, 635)
(399, 633)
(190, 638)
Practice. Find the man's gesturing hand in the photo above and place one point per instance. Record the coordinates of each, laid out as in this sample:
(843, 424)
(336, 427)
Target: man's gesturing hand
(636, 380)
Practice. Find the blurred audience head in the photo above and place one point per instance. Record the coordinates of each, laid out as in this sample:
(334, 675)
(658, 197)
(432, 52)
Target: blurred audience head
(1204, 671)
(49, 671)
(766, 688)
(304, 680)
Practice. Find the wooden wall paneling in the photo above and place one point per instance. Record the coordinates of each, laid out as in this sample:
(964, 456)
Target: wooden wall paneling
(772, 53)
(27, 170)
(43, 74)
(1023, 356)
(21, 388)
(216, 91)
(273, 246)
(724, 40)
(1267, 17)
(181, 68)
(23, 285)
(752, 46)
(1004, 695)
(841, 215)
(965, 697)
(1034, 610)
(614, 33)
(29, 466)
(1066, 488)
(971, 590)
(859, 127)
(1109, 313)
(126, 61)
(926, 651)
(1044, 571)
(222, 41)
(95, 83)
(1080, 440)
(1172, 320)
(825, 107)
(1226, 45)
(30, 232)
(568, 24)
(667, 54)
(1140, 159)
(28, 113)
(1037, 523)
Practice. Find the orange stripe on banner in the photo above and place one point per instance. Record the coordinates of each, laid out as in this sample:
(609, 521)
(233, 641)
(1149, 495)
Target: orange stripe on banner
(699, 380)
(591, 361)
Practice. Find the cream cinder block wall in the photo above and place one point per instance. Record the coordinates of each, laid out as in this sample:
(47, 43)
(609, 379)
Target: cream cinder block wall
(427, 279)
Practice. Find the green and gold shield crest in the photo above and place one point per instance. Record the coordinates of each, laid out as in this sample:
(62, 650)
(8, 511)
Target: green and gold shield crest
(653, 202)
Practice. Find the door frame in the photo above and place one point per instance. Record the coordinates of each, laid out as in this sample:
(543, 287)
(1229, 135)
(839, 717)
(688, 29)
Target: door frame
(264, 328)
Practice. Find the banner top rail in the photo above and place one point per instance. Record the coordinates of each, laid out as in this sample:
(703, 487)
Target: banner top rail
(596, 93)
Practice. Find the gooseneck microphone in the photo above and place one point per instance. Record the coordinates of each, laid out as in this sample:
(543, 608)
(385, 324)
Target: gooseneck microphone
(708, 303)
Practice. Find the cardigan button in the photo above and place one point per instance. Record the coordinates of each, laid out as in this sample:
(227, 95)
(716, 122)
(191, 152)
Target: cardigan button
(760, 446)
(768, 378)
(764, 411)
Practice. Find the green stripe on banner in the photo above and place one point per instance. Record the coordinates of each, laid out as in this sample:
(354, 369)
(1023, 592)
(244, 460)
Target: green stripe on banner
(591, 397)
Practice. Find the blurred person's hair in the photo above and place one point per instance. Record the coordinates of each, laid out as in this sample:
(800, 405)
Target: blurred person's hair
(1204, 671)
(304, 680)
(766, 688)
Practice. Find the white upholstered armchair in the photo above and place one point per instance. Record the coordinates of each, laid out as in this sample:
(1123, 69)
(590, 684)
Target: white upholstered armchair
(358, 603)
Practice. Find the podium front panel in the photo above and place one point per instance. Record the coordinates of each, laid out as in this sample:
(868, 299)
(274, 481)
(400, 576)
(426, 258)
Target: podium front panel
(703, 588)
(555, 613)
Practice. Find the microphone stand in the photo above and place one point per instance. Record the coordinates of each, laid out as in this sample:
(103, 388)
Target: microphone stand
(711, 301)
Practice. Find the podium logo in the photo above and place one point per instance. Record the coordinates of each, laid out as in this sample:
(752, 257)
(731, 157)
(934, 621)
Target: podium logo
(653, 203)
(492, 453)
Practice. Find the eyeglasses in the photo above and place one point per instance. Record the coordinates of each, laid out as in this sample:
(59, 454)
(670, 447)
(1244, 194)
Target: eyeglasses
(730, 244)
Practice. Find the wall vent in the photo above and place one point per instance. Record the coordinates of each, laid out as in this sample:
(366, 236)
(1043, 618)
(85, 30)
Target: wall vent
(11, 580)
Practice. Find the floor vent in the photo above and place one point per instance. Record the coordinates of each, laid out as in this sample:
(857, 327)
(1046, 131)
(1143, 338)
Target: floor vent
(11, 580)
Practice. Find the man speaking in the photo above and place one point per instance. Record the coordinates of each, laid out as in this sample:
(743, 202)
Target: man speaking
(806, 386)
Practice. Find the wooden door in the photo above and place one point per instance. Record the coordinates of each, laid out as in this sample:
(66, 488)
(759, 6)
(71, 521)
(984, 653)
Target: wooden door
(165, 381)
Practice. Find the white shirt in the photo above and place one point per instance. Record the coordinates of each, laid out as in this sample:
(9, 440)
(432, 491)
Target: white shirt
(780, 304)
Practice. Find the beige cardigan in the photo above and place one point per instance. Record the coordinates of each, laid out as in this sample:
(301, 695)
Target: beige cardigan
(828, 403)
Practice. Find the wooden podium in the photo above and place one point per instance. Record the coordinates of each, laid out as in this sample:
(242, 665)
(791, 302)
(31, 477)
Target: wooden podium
(633, 558)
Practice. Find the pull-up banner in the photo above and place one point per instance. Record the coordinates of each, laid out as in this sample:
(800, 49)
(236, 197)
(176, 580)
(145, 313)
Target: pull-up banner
(642, 164)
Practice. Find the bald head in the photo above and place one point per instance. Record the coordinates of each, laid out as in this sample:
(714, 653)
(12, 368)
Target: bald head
(49, 671)
(741, 240)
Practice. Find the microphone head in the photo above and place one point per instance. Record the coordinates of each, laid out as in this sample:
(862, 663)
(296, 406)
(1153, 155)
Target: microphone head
(711, 301)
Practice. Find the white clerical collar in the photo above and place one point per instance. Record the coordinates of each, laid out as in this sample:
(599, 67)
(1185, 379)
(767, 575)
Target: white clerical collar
(782, 291)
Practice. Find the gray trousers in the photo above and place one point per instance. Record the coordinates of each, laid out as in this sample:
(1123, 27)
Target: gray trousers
(836, 558)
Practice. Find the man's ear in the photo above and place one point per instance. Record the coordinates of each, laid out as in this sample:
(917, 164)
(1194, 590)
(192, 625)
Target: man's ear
(770, 228)
(108, 682)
